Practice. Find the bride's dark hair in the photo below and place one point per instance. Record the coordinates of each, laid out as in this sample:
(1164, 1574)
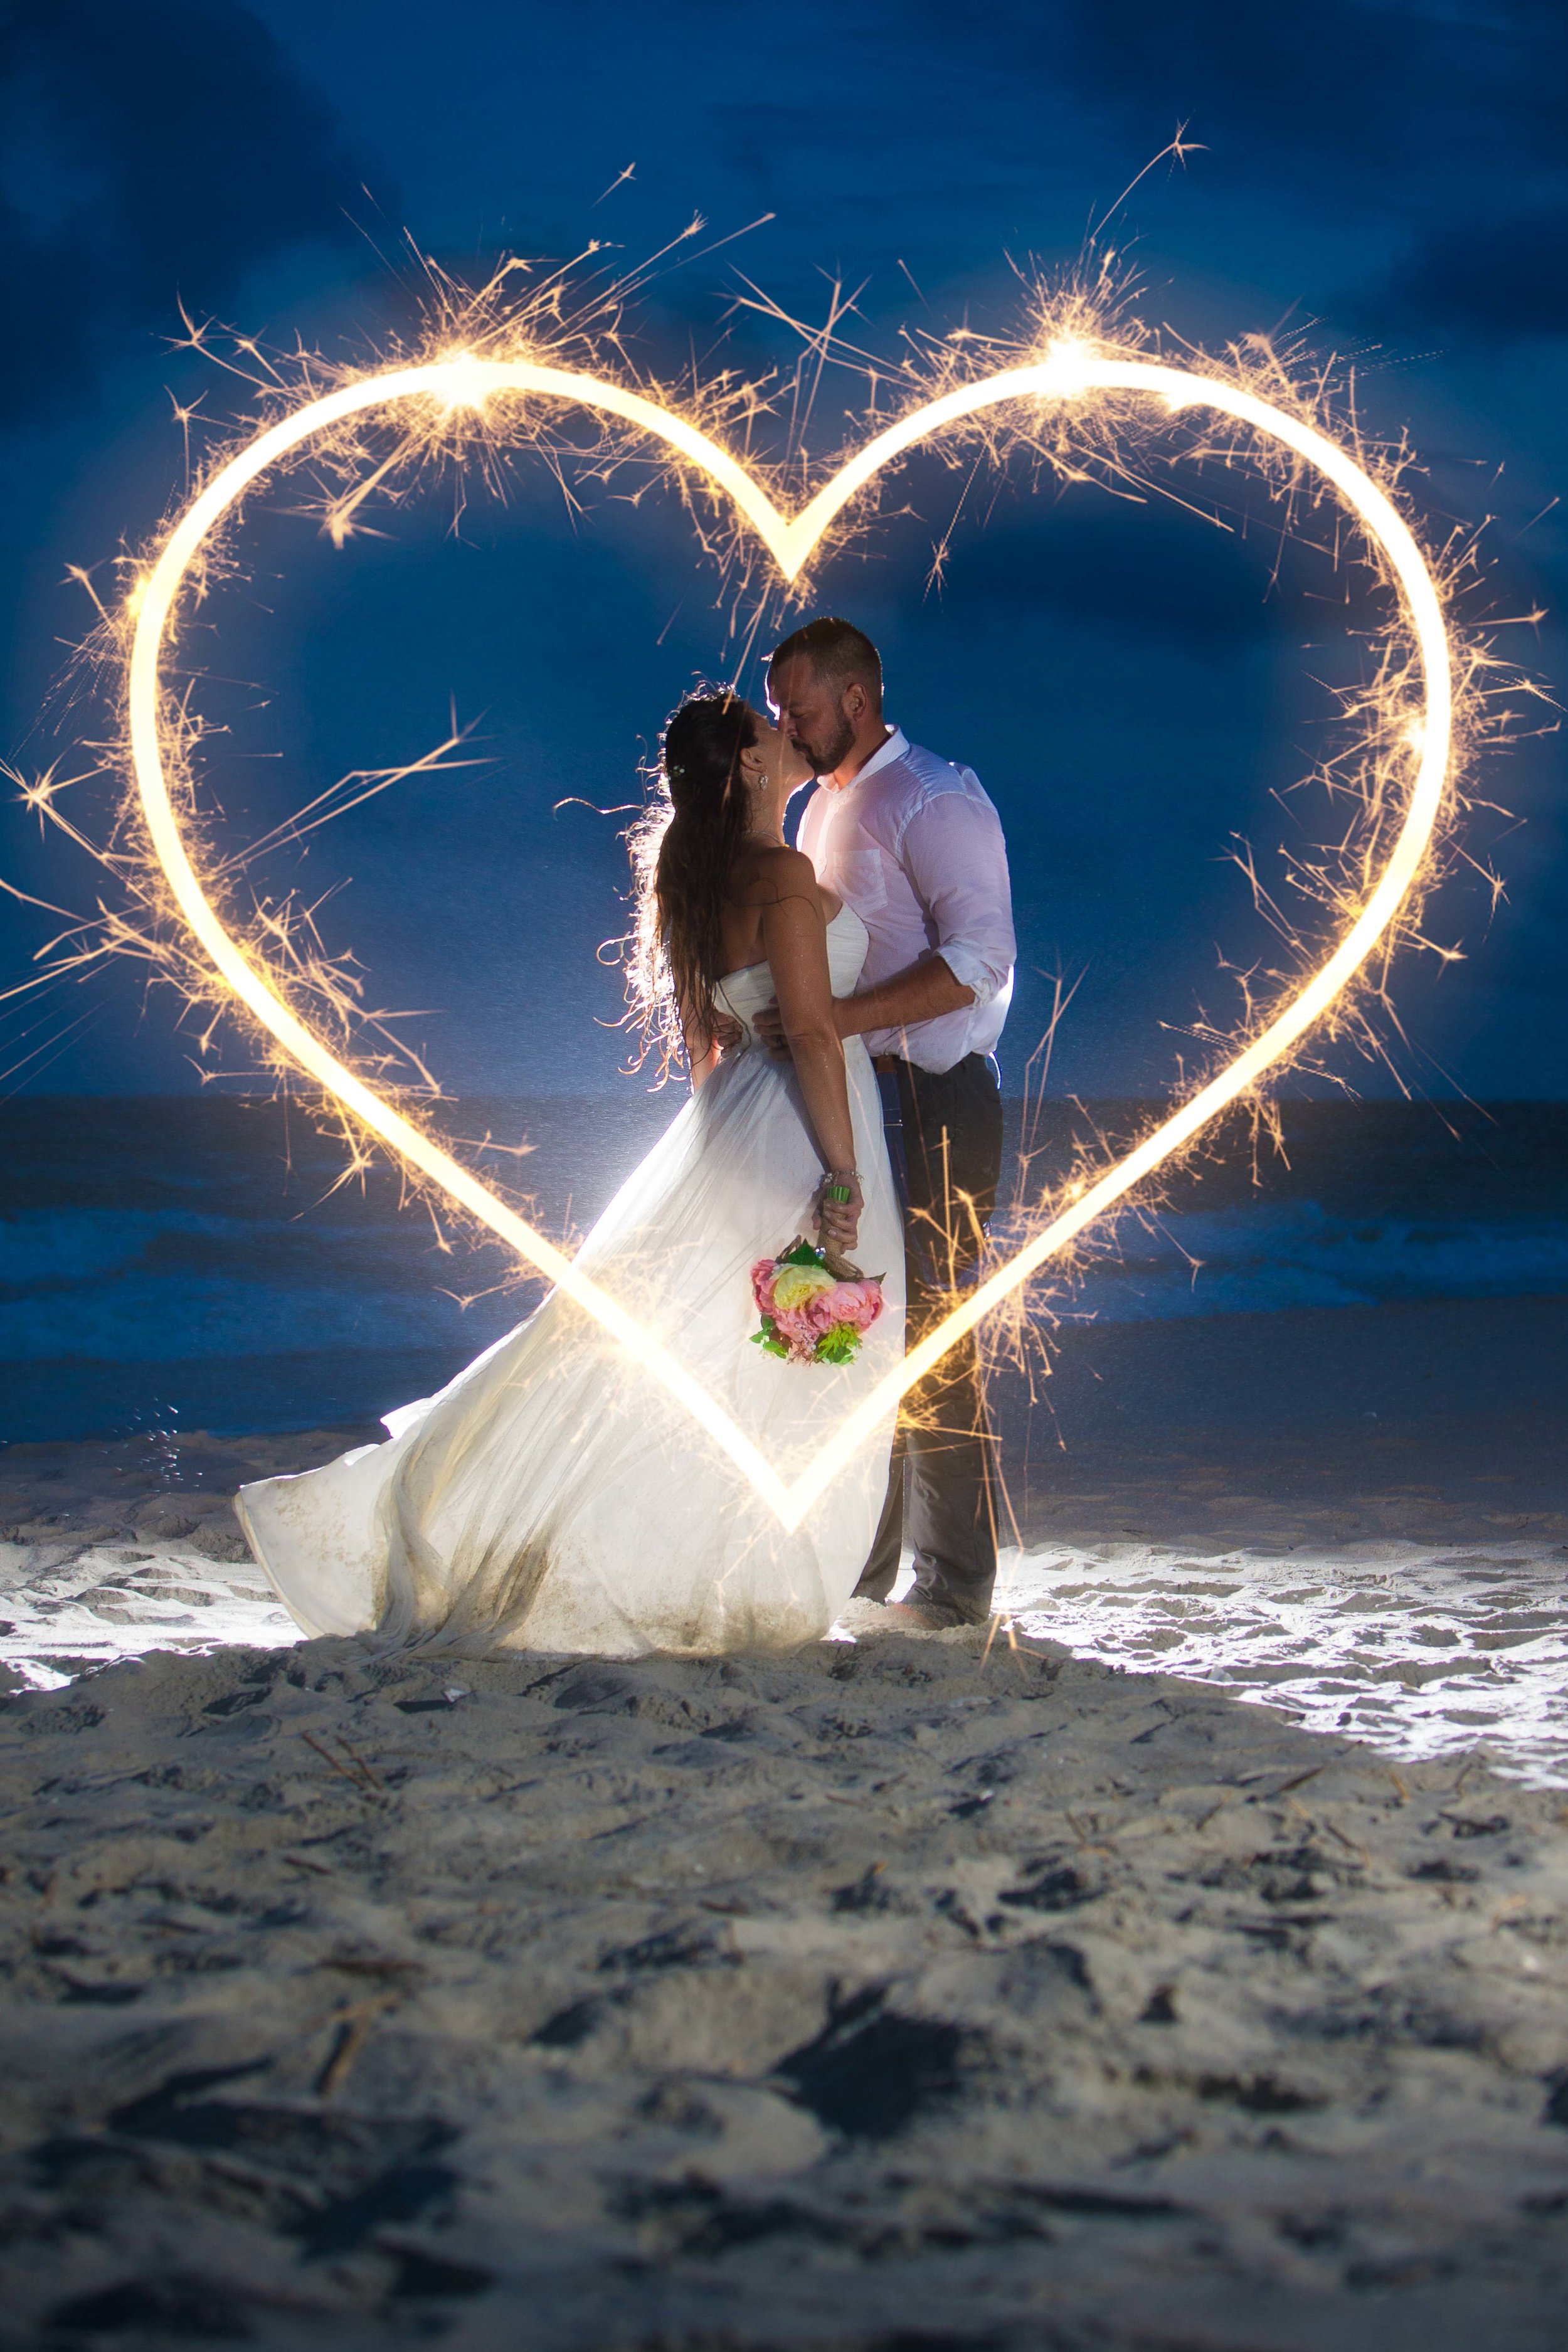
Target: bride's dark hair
(682, 849)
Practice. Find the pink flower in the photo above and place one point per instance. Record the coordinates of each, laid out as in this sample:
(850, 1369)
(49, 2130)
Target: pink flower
(763, 1285)
(858, 1304)
(798, 1326)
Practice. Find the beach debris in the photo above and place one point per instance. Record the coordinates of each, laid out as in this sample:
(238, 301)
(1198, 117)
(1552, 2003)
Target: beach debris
(357, 1771)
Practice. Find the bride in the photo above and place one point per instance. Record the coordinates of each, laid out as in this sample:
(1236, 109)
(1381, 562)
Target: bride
(554, 1497)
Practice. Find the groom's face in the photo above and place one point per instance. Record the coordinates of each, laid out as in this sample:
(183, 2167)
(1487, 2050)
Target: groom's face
(811, 712)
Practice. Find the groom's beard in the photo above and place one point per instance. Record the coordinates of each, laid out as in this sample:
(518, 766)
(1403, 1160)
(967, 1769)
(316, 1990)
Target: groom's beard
(826, 753)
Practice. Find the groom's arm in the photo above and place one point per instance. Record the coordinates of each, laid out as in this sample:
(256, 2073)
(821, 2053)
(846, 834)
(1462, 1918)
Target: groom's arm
(923, 992)
(956, 860)
(954, 855)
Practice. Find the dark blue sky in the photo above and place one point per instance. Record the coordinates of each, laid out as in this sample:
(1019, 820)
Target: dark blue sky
(1122, 678)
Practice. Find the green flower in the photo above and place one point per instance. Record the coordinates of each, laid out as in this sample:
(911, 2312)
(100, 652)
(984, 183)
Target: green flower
(839, 1344)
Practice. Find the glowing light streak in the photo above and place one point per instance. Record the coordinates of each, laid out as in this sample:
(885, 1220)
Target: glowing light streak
(1070, 373)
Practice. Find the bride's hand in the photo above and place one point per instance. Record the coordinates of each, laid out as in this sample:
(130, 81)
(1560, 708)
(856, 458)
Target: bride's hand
(838, 1222)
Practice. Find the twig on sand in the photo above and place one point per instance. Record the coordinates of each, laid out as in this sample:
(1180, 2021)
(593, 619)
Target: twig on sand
(374, 1964)
(353, 2027)
(1299, 1781)
(350, 1751)
(1359, 1851)
(362, 1779)
(1321, 1821)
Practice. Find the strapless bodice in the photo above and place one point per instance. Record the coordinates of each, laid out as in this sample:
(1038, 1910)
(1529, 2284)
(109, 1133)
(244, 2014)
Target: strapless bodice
(744, 993)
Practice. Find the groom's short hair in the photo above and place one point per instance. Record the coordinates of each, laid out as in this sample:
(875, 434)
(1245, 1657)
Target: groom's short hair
(837, 651)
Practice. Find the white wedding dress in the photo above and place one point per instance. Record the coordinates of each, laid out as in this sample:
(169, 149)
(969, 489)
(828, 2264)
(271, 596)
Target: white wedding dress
(555, 1496)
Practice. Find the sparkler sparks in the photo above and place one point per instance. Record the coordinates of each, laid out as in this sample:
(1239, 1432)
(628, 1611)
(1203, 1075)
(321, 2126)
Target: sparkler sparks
(1074, 372)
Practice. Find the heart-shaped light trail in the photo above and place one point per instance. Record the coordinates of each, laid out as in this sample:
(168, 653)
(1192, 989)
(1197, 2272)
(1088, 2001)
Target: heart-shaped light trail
(1069, 374)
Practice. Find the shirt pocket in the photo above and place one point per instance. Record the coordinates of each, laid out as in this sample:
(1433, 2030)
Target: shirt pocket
(862, 878)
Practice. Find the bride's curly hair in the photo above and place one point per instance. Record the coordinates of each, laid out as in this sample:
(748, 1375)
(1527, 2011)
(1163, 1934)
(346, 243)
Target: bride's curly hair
(682, 849)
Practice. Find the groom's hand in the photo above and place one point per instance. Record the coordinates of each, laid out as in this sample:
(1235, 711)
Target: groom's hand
(727, 1032)
(769, 1026)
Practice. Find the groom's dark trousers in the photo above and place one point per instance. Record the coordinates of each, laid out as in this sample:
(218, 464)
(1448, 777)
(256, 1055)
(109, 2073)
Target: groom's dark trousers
(944, 1140)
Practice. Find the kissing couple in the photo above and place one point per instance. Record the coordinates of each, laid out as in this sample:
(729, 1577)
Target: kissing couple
(836, 1006)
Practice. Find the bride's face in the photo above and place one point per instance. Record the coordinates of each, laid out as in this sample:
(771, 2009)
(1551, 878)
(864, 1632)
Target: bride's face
(771, 764)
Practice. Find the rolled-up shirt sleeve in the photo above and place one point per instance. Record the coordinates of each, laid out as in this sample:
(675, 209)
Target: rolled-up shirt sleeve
(954, 855)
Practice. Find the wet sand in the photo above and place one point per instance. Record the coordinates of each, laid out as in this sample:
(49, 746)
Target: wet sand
(905, 1993)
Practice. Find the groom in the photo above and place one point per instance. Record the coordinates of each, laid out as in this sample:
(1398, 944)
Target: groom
(913, 845)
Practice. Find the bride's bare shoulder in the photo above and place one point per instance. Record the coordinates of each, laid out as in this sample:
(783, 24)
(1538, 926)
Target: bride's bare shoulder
(763, 876)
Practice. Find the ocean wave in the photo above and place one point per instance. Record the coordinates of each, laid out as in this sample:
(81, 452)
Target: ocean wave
(65, 1246)
(1295, 1255)
(112, 1286)
(54, 1248)
(139, 1319)
(146, 1287)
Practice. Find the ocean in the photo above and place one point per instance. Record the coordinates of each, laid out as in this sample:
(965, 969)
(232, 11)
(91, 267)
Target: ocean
(177, 1264)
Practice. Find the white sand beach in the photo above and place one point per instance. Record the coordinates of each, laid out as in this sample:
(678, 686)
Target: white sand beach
(910, 1991)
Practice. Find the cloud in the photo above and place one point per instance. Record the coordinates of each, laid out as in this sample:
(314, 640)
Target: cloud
(1409, 94)
(1500, 276)
(1444, 123)
(153, 152)
(1146, 569)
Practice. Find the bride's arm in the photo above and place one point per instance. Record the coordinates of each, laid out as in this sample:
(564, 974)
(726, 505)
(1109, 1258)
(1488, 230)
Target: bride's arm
(794, 941)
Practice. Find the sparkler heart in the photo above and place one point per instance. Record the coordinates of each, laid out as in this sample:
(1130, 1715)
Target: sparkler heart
(1069, 374)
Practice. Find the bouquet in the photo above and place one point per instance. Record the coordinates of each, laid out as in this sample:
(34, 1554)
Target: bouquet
(814, 1304)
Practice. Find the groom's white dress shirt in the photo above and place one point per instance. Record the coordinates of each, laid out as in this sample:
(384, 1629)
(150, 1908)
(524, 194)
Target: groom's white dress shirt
(915, 846)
